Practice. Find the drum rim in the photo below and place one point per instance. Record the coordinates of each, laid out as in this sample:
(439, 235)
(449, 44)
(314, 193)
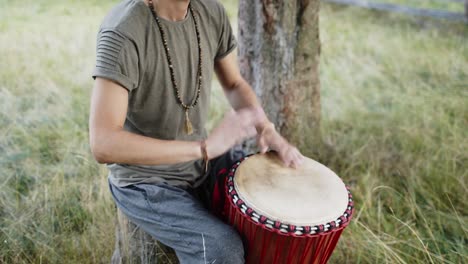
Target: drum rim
(277, 226)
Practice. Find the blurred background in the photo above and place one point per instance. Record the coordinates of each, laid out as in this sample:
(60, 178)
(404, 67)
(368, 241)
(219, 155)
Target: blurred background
(394, 106)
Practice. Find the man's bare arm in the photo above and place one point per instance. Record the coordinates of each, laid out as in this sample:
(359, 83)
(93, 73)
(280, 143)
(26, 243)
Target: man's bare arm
(111, 144)
(240, 94)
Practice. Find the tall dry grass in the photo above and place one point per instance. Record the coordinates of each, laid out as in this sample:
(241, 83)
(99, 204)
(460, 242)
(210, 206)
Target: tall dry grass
(394, 108)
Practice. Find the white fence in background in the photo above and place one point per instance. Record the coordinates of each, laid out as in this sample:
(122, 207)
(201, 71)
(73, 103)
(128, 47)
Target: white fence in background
(454, 16)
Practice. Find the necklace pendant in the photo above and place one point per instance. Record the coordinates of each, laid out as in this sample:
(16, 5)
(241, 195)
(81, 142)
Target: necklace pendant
(188, 124)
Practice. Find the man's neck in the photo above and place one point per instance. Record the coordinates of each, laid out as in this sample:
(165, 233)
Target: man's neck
(173, 10)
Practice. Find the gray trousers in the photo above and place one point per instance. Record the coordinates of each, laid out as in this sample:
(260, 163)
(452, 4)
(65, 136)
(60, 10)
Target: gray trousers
(181, 218)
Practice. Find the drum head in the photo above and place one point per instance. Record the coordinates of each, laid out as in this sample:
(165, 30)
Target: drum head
(309, 195)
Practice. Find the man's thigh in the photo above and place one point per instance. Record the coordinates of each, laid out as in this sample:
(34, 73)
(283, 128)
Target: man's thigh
(174, 217)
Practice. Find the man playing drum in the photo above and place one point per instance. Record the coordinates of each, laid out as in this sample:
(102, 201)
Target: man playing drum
(149, 107)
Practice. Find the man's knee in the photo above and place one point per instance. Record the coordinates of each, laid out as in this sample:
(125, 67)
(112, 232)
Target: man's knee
(226, 247)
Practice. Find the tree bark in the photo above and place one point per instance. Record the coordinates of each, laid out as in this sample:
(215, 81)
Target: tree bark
(279, 50)
(466, 11)
(133, 245)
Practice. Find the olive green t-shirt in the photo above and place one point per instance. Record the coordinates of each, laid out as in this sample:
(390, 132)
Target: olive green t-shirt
(130, 52)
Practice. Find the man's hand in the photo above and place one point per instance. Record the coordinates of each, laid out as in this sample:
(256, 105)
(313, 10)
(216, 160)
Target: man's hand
(268, 137)
(235, 127)
(240, 94)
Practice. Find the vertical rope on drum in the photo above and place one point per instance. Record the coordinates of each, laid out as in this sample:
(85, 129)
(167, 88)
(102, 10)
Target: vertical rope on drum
(321, 247)
(295, 243)
(252, 229)
(308, 246)
(231, 215)
(241, 223)
(278, 245)
(324, 248)
(318, 245)
(333, 242)
(325, 252)
(266, 238)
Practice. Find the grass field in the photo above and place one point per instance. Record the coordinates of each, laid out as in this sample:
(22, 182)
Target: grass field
(394, 93)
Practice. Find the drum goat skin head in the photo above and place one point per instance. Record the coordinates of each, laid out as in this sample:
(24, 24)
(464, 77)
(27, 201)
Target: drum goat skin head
(309, 195)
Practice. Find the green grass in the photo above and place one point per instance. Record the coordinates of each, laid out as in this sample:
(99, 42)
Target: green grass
(394, 92)
(394, 109)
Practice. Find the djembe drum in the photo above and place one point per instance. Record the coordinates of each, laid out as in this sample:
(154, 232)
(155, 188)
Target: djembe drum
(286, 215)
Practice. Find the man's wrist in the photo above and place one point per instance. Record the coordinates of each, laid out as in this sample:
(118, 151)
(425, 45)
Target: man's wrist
(261, 128)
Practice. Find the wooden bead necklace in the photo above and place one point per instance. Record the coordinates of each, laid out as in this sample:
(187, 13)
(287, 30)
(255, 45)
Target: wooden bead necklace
(187, 107)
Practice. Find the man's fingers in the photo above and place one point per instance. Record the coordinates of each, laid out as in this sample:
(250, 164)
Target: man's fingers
(296, 162)
(291, 157)
(261, 144)
(298, 158)
(285, 155)
(263, 147)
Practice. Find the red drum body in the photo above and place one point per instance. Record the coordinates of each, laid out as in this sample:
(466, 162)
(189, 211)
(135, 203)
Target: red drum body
(286, 215)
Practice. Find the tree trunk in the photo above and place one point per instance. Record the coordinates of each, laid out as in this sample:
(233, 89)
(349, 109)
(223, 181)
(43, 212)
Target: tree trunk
(133, 245)
(466, 11)
(279, 51)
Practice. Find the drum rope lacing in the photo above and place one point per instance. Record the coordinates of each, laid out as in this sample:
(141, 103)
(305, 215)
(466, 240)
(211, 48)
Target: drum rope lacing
(279, 226)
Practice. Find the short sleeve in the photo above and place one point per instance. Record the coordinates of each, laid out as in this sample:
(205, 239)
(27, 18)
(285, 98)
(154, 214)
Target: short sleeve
(116, 59)
(227, 42)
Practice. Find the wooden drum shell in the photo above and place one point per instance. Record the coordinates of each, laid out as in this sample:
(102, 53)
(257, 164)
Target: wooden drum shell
(270, 245)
